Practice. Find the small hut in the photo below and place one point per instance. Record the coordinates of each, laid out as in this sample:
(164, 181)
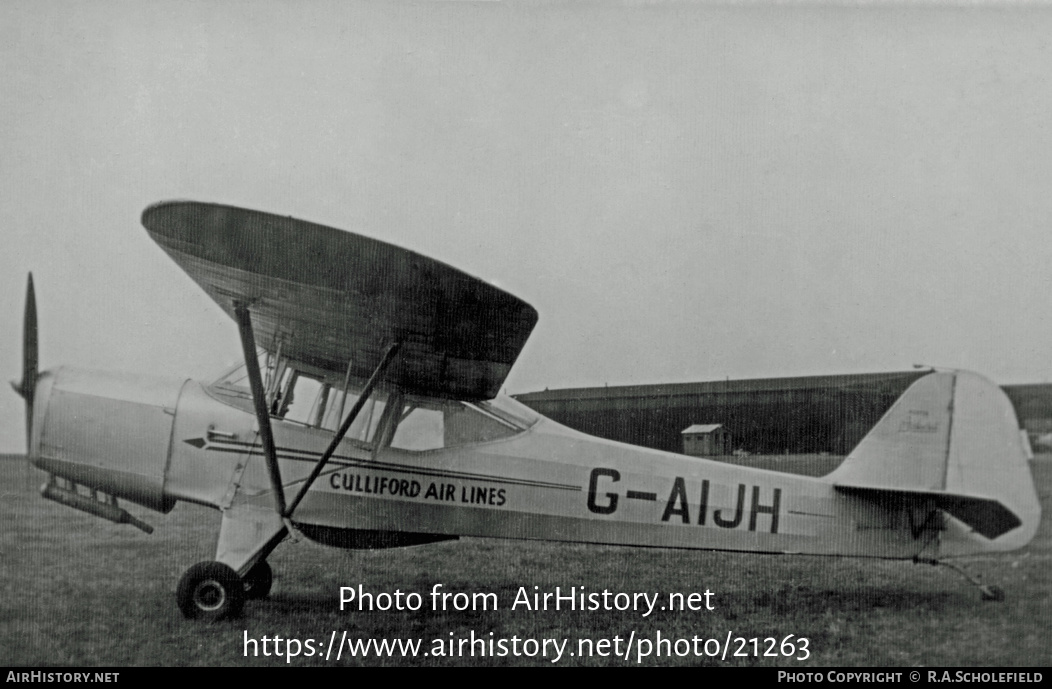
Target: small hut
(706, 440)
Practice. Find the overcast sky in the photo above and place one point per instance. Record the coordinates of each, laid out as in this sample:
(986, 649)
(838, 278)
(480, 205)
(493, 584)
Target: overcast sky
(684, 191)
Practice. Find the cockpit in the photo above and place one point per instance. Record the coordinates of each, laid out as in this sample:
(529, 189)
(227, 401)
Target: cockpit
(297, 395)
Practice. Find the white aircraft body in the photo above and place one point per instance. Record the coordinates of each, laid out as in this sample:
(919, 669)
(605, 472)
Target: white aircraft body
(372, 419)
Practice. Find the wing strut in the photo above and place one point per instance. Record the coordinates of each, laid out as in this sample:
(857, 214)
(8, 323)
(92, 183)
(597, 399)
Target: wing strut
(259, 401)
(367, 391)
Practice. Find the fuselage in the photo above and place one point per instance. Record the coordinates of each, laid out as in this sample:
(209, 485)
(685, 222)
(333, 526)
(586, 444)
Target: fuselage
(499, 471)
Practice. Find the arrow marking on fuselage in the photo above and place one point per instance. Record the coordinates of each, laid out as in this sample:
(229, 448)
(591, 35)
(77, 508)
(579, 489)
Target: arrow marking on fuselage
(343, 461)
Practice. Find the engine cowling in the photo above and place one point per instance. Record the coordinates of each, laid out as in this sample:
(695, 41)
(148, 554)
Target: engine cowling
(108, 431)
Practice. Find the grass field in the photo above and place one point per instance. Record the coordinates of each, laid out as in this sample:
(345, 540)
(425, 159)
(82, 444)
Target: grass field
(77, 590)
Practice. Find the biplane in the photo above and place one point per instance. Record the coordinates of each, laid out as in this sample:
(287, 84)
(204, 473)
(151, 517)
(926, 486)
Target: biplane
(367, 414)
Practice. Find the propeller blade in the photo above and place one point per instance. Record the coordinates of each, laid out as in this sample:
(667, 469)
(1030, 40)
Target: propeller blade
(28, 386)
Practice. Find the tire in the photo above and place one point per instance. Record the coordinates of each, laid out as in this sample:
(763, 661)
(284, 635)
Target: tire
(258, 581)
(992, 593)
(210, 591)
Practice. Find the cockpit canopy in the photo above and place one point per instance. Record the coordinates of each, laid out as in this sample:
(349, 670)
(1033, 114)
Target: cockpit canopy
(389, 418)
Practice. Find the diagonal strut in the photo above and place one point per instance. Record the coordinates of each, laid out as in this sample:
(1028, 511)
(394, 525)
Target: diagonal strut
(367, 391)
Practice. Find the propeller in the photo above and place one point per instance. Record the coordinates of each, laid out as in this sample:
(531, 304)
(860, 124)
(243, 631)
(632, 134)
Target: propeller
(30, 374)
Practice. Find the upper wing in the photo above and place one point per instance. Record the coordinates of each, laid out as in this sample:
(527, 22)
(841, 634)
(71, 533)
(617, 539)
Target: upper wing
(328, 297)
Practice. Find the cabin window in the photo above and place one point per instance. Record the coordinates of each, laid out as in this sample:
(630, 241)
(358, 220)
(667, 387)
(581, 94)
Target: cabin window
(421, 428)
(301, 400)
(386, 419)
(367, 422)
(431, 425)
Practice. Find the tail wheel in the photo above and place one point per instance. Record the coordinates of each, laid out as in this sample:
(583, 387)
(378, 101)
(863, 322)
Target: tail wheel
(991, 593)
(210, 591)
(258, 581)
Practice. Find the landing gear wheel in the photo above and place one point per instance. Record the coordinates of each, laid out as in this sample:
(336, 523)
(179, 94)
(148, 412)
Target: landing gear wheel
(258, 581)
(210, 591)
(992, 593)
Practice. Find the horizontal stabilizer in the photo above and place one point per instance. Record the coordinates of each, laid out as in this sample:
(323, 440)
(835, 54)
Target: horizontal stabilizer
(986, 517)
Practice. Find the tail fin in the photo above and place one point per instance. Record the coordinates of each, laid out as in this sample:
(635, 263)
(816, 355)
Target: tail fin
(953, 436)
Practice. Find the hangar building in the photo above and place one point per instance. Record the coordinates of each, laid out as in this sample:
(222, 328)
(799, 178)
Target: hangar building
(763, 416)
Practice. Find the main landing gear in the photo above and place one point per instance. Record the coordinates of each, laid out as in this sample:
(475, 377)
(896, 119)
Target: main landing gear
(212, 591)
